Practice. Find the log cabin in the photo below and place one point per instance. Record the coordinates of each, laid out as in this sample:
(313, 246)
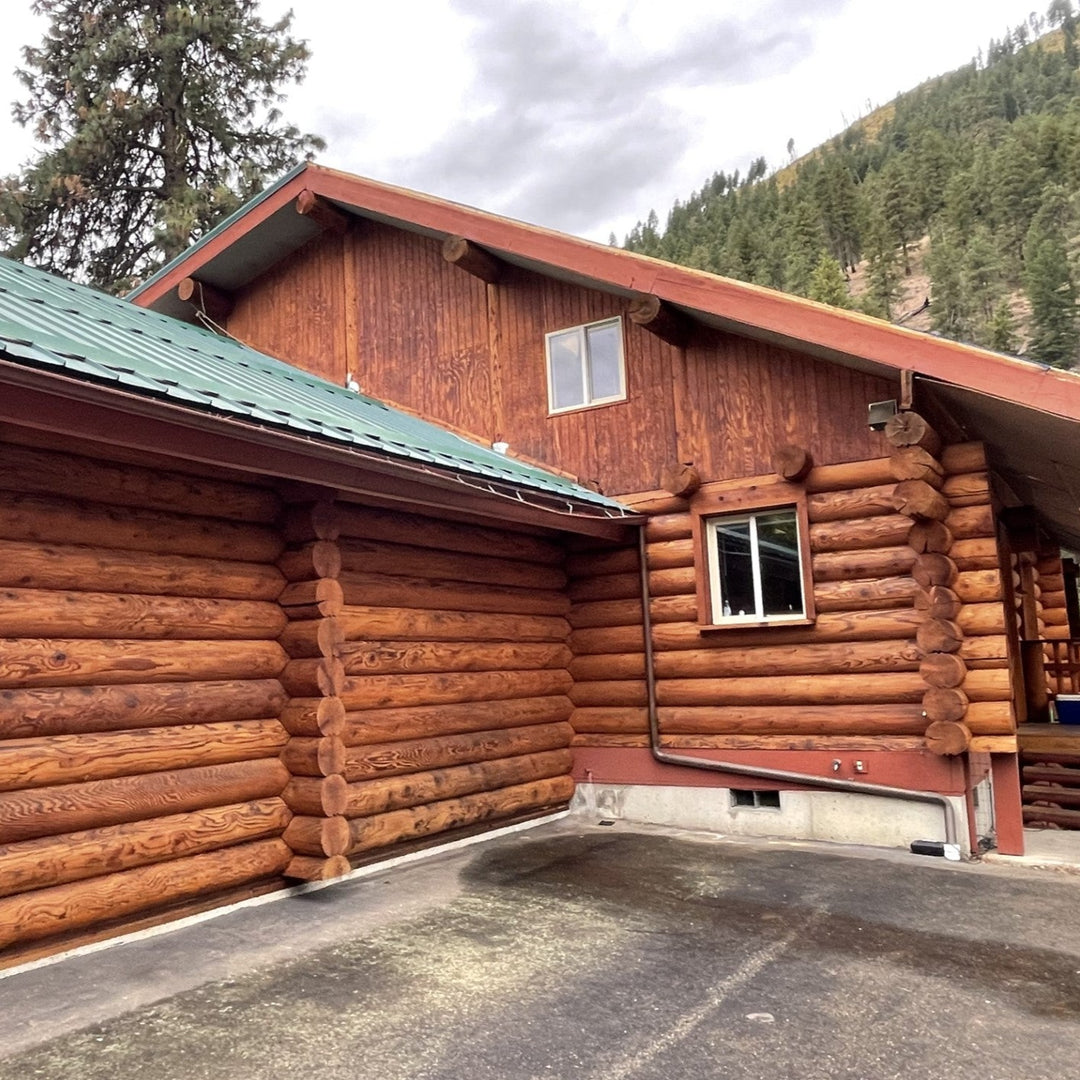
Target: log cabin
(511, 518)
(254, 627)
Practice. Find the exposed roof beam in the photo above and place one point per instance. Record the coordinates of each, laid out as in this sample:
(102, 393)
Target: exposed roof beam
(459, 252)
(318, 210)
(212, 302)
(652, 314)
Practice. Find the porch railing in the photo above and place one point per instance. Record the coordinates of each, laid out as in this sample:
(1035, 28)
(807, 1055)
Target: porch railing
(1051, 668)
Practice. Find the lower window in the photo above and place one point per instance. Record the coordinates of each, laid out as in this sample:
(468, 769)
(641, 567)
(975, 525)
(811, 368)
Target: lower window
(755, 566)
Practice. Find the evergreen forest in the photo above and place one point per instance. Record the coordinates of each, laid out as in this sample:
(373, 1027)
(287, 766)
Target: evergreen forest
(965, 191)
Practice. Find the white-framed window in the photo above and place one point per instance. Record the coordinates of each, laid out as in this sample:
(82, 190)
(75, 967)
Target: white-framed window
(756, 567)
(585, 365)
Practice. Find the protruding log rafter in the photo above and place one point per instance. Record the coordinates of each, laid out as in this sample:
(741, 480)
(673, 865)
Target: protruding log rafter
(792, 463)
(322, 213)
(681, 479)
(668, 324)
(473, 260)
(215, 303)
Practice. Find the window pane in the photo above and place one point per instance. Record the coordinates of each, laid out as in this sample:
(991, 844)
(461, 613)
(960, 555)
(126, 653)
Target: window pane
(564, 360)
(778, 552)
(735, 569)
(605, 361)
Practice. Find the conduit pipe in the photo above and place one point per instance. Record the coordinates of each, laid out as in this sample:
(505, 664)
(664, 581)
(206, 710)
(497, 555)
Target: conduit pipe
(760, 772)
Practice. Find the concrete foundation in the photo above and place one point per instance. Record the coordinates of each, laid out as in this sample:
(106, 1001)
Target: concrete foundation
(802, 815)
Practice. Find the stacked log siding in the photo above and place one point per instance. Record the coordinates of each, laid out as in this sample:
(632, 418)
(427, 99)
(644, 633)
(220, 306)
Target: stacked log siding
(455, 697)
(139, 692)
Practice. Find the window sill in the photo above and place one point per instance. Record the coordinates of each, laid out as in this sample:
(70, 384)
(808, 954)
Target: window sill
(586, 408)
(764, 624)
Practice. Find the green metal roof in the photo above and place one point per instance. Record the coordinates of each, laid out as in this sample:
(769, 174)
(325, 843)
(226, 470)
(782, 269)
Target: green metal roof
(51, 323)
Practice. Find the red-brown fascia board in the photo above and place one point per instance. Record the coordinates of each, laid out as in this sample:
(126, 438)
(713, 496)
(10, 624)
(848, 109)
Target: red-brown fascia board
(758, 311)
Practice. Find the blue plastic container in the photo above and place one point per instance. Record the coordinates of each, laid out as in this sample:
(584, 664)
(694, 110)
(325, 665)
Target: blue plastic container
(1068, 708)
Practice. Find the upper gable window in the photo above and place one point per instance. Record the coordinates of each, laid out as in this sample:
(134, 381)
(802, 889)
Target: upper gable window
(585, 366)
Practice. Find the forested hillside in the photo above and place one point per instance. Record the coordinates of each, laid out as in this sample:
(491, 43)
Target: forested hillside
(971, 179)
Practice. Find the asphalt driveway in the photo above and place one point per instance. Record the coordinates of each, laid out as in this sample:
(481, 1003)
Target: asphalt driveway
(575, 950)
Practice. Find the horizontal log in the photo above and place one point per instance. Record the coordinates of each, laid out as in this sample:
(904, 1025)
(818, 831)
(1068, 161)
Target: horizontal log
(313, 755)
(967, 489)
(316, 796)
(37, 613)
(943, 670)
(666, 609)
(313, 868)
(990, 718)
(914, 463)
(676, 582)
(932, 569)
(944, 704)
(1051, 583)
(396, 793)
(657, 501)
(612, 692)
(930, 536)
(608, 561)
(608, 666)
(978, 554)
(964, 458)
(48, 912)
(38, 662)
(389, 725)
(382, 830)
(875, 532)
(979, 586)
(832, 626)
(792, 462)
(26, 815)
(1051, 600)
(64, 521)
(407, 756)
(910, 429)
(890, 719)
(919, 500)
(69, 759)
(987, 647)
(989, 684)
(976, 619)
(415, 657)
(379, 557)
(314, 677)
(371, 523)
(1062, 817)
(851, 505)
(317, 598)
(56, 860)
(871, 563)
(886, 688)
(669, 554)
(320, 836)
(605, 587)
(621, 720)
(939, 636)
(445, 688)
(786, 660)
(315, 559)
(938, 602)
(849, 474)
(663, 527)
(971, 522)
(607, 613)
(1055, 617)
(828, 743)
(84, 709)
(307, 639)
(381, 590)
(365, 623)
(306, 521)
(45, 472)
(33, 565)
(314, 716)
(880, 594)
(947, 738)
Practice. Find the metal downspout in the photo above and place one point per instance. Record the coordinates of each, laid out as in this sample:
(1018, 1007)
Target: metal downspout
(806, 780)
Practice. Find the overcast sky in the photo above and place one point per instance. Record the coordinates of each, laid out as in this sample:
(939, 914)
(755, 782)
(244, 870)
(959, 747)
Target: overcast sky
(581, 115)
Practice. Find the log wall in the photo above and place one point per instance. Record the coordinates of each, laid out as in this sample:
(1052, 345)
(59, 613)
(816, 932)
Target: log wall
(429, 673)
(859, 677)
(139, 692)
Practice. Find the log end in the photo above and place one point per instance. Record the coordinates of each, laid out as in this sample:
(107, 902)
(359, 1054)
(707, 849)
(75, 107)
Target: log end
(947, 738)
(792, 463)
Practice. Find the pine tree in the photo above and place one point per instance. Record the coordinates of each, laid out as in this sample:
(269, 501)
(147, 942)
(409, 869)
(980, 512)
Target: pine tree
(1048, 280)
(158, 118)
(828, 284)
(1001, 330)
